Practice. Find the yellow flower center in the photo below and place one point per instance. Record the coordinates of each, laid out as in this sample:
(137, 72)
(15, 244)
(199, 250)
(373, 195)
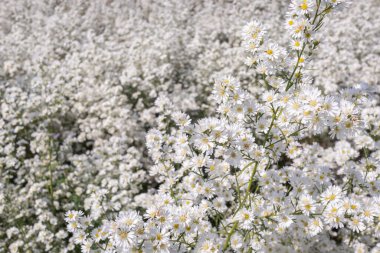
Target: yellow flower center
(337, 119)
(304, 6)
(348, 124)
(295, 106)
(313, 103)
(331, 197)
(123, 235)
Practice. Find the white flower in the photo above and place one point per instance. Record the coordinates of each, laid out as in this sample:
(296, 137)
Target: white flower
(315, 226)
(356, 224)
(73, 226)
(86, 246)
(302, 6)
(307, 204)
(128, 220)
(125, 239)
(73, 216)
(331, 195)
(80, 237)
(245, 218)
(253, 31)
(272, 51)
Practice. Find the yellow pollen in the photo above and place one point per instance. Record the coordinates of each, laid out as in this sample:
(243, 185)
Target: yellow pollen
(348, 124)
(313, 103)
(306, 113)
(123, 235)
(182, 218)
(331, 197)
(355, 221)
(337, 119)
(205, 247)
(295, 106)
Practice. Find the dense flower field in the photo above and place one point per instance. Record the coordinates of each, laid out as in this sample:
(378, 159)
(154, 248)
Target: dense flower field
(190, 126)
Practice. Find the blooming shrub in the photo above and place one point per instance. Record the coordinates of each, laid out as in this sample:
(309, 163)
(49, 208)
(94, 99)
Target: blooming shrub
(83, 81)
(292, 169)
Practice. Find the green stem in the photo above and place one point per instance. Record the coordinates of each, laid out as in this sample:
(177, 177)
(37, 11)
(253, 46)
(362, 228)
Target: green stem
(250, 182)
(316, 13)
(274, 116)
(289, 84)
(229, 235)
(248, 189)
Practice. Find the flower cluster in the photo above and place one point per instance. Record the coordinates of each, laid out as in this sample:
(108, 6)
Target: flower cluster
(81, 82)
(291, 169)
(78, 81)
